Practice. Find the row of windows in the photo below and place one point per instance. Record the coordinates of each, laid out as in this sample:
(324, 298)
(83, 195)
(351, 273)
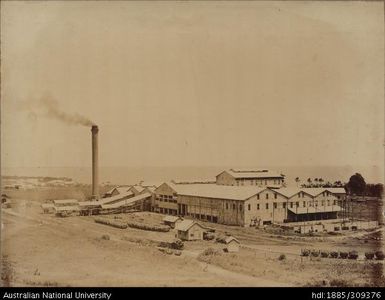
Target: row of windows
(203, 217)
(257, 182)
(291, 204)
(234, 206)
(166, 198)
(168, 211)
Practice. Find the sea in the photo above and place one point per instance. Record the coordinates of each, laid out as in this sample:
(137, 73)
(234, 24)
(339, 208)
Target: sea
(155, 175)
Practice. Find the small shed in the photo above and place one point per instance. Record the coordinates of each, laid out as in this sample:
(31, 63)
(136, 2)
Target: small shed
(232, 244)
(189, 230)
(171, 220)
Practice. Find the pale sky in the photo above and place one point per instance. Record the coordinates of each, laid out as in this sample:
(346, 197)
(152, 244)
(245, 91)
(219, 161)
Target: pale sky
(194, 83)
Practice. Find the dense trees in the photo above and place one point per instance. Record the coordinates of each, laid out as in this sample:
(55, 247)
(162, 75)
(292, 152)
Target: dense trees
(356, 185)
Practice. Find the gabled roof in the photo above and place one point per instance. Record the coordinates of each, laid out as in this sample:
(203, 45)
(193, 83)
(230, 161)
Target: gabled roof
(241, 193)
(186, 225)
(139, 188)
(287, 192)
(314, 191)
(253, 174)
(171, 185)
(122, 189)
(230, 239)
(152, 184)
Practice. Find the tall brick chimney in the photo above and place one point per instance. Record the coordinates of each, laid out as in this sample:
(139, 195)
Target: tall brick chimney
(95, 167)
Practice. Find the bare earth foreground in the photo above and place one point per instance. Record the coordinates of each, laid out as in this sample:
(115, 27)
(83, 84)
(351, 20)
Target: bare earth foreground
(43, 250)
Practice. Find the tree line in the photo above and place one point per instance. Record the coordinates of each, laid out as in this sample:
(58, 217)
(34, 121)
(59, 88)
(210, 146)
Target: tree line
(356, 185)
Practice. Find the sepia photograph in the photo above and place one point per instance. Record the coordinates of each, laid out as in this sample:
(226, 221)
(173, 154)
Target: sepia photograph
(191, 144)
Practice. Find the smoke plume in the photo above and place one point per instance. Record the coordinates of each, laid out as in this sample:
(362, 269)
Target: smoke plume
(48, 107)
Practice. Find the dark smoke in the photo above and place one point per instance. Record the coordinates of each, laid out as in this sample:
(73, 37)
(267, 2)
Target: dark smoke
(47, 106)
(53, 111)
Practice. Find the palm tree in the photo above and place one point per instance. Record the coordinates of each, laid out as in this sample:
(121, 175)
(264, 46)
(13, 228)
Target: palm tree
(309, 181)
(297, 180)
(316, 182)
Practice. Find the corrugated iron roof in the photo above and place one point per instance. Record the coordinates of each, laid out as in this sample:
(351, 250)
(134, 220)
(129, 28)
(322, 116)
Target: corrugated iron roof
(125, 202)
(186, 225)
(218, 191)
(288, 192)
(116, 197)
(255, 174)
(230, 239)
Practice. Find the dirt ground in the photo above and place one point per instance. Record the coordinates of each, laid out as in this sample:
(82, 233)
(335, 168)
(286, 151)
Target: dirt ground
(44, 250)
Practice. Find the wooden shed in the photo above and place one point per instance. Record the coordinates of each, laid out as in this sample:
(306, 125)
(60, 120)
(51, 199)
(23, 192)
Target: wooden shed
(171, 220)
(232, 244)
(189, 230)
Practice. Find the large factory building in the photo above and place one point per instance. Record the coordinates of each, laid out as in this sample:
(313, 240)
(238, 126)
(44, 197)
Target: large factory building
(248, 205)
(244, 177)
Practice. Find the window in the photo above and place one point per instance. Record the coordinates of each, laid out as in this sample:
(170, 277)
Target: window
(335, 202)
(291, 204)
(328, 202)
(240, 207)
(267, 205)
(299, 195)
(297, 204)
(233, 206)
(304, 203)
(322, 202)
(265, 182)
(249, 206)
(267, 196)
(284, 205)
(275, 205)
(227, 206)
(258, 196)
(275, 195)
(257, 206)
(316, 203)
